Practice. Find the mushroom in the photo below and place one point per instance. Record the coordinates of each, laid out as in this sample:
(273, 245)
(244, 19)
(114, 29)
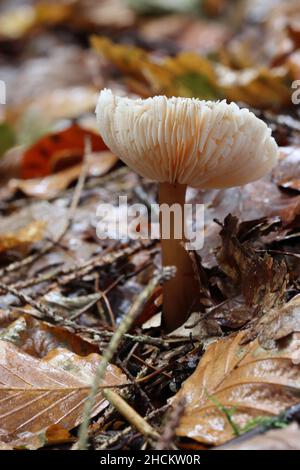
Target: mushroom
(182, 142)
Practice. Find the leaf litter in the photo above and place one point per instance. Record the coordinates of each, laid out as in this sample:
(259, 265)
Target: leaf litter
(234, 365)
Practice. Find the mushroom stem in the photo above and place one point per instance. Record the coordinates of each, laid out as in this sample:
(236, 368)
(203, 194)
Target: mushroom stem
(181, 293)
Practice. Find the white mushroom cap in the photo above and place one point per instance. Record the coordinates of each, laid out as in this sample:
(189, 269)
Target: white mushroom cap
(188, 141)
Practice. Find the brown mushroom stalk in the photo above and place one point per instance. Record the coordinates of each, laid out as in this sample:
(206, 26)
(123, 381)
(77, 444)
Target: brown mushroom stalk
(182, 142)
(181, 293)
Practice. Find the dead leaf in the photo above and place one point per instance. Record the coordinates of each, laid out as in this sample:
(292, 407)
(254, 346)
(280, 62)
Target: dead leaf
(197, 327)
(38, 393)
(50, 186)
(31, 233)
(262, 278)
(275, 439)
(287, 172)
(193, 75)
(17, 22)
(279, 323)
(10, 164)
(57, 434)
(107, 13)
(188, 74)
(38, 338)
(57, 151)
(236, 384)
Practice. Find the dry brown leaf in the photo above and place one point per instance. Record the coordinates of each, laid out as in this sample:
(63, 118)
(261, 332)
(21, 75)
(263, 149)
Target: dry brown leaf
(262, 278)
(38, 338)
(31, 233)
(279, 323)
(36, 394)
(287, 172)
(238, 383)
(51, 186)
(275, 439)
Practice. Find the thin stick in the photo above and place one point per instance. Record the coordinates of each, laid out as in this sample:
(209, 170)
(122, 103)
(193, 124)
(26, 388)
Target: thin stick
(168, 436)
(123, 328)
(112, 440)
(131, 415)
(74, 204)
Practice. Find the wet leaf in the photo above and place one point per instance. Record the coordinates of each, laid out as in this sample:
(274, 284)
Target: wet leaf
(38, 338)
(275, 439)
(57, 434)
(279, 323)
(235, 384)
(38, 393)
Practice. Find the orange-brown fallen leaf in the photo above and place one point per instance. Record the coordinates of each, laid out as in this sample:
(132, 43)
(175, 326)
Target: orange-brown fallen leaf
(31, 233)
(35, 394)
(57, 151)
(38, 338)
(50, 186)
(57, 434)
(235, 384)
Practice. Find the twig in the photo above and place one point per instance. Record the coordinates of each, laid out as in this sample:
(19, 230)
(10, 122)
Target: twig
(168, 435)
(131, 415)
(74, 204)
(279, 252)
(159, 342)
(124, 326)
(111, 441)
(138, 388)
(26, 299)
(68, 274)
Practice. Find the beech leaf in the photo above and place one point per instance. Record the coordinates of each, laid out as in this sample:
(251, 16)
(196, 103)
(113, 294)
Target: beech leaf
(36, 394)
(235, 384)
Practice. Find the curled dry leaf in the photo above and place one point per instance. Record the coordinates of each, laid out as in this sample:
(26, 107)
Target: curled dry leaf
(31, 233)
(50, 186)
(279, 323)
(38, 393)
(234, 385)
(262, 278)
(275, 439)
